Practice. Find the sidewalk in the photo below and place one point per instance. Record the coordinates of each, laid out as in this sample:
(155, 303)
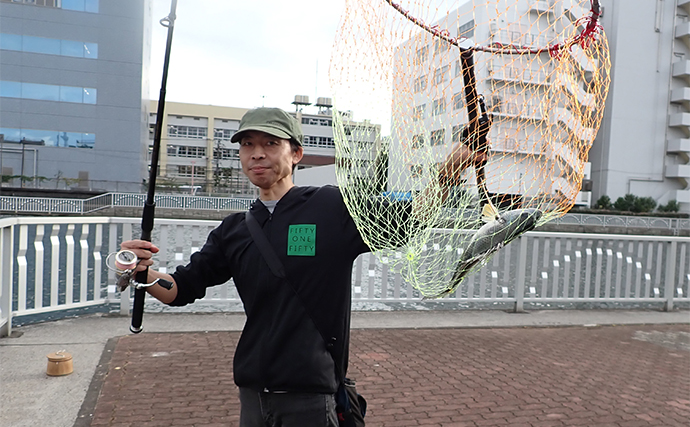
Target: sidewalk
(455, 368)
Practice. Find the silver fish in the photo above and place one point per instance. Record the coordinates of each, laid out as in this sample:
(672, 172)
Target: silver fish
(492, 236)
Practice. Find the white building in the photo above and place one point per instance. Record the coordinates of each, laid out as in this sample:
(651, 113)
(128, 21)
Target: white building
(643, 144)
(531, 154)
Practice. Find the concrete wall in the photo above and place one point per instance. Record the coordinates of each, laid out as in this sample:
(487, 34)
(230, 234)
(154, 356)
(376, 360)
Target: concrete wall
(630, 152)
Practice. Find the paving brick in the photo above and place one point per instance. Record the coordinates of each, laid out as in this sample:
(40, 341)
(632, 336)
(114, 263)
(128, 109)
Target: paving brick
(532, 377)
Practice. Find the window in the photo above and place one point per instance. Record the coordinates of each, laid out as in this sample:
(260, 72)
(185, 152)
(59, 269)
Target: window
(441, 74)
(458, 101)
(422, 54)
(419, 112)
(77, 49)
(418, 141)
(78, 5)
(223, 153)
(438, 137)
(441, 46)
(458, 68)
(81, 5)
(416, 170)
(50, 138)
(79, 95)
(41, 45)
(179, 131)
(185, 171)
(318, 141)
(466, 30)
(420, 84)
(316, 121)
(10, 89)
(186, 151)
(456, 135)
(223, 134)
(439, 107)
(10, 41)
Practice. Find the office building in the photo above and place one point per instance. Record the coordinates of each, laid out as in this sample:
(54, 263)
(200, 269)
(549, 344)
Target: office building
(74, 93)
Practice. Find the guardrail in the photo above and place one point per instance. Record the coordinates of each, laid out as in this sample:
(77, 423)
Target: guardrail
(54, 264)
(18, 205)
(51, 205)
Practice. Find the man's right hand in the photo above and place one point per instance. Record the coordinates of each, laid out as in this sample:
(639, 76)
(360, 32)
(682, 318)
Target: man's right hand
(143, 250)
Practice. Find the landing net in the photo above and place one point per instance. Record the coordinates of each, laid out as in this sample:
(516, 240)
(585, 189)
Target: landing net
(542, 68)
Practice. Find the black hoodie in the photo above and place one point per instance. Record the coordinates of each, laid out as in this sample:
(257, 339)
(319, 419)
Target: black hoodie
(315, 238)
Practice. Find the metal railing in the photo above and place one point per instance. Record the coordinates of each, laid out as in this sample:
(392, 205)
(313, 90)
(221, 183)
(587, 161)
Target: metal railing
(51, 205)
(17, 205)
(57, 264)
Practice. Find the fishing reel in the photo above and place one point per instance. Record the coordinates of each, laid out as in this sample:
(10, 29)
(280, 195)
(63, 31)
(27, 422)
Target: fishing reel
(124, 265)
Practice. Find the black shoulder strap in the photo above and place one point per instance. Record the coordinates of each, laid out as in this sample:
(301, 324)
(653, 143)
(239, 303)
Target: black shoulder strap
(264, 246)
(279, 271)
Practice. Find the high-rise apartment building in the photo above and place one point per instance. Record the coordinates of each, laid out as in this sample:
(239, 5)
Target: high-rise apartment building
(431, 109)
(74, 93)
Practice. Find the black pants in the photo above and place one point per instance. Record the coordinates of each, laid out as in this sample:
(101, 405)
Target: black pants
(259, 409)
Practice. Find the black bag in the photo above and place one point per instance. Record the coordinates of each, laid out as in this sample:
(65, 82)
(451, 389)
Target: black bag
(350, 406)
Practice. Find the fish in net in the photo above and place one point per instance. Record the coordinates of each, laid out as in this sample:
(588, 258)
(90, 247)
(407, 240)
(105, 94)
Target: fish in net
(523, 82)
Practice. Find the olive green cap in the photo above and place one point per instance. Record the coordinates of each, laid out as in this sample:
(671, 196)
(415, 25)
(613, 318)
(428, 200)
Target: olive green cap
(273, 121)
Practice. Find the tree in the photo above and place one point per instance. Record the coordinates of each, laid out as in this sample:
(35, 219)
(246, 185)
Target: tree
(604, 202)
(625, 203)
(644, 204)
(671, 206)
(632, 203)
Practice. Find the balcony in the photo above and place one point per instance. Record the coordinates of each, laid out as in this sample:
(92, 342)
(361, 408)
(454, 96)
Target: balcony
(513, 145)
(518, 38)
(584, 98)
(682, 31)
(681, 69)
(685, 5)
(681, 120)
(676, 146)
(586, 63)
(542, 6)
(575, 12)
(518, 74)
(681, 95)
(573, 124)
(566, 154)
(514, 108)
(678, 171)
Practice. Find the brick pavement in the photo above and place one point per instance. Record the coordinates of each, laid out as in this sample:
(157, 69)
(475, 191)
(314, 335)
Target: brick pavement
(622, 376)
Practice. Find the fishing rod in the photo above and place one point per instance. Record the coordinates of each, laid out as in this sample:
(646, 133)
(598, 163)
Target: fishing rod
(150, 204)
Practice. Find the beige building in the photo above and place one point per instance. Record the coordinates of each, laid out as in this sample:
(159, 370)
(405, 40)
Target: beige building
(196, 154)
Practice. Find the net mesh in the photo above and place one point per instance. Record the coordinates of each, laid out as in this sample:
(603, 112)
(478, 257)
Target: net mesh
(542, 68)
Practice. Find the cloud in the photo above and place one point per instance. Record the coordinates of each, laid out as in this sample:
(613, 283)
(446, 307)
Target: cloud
(245, 54)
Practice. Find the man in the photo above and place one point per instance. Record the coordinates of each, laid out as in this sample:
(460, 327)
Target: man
(293, 350)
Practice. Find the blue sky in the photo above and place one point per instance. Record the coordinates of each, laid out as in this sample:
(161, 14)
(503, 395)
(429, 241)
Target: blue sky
(245, 53)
